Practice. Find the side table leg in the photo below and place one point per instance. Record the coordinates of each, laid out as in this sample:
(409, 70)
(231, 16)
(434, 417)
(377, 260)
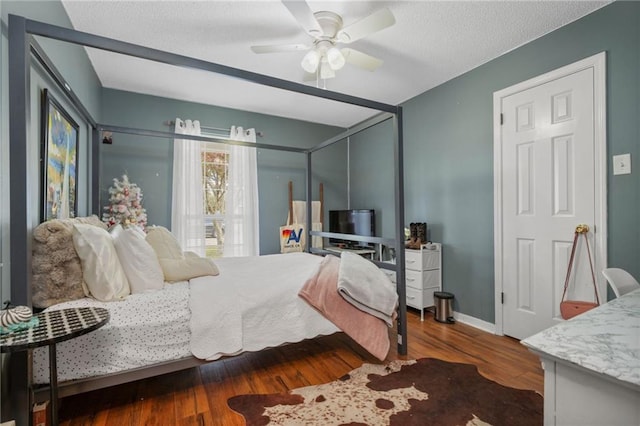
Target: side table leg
(53, 384)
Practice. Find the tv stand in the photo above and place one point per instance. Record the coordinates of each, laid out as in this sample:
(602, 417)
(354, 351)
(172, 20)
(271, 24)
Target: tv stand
(369, 253)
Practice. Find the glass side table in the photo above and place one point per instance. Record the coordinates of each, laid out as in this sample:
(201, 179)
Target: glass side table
(55, 327)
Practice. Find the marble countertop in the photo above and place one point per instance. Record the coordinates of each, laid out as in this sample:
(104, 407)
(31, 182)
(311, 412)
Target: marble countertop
(605, 340)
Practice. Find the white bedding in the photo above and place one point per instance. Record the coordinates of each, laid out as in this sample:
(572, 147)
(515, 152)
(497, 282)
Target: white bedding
(143, 329)
(264, 311)
(253, 304)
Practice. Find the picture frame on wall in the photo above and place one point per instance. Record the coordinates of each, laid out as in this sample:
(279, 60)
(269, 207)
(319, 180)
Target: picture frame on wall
(59, 160)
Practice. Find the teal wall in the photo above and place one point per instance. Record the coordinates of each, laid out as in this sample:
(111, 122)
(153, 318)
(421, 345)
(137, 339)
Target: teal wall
(74, 64)
(449, 149)
(70, 59)
(372, 175)
(148, 161)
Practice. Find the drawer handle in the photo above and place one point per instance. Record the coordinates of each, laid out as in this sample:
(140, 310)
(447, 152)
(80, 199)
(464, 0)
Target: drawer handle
(410, 279)
(411, 297)
(410, 261)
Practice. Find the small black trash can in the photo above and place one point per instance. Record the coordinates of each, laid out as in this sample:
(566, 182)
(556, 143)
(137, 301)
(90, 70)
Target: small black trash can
(443, 307)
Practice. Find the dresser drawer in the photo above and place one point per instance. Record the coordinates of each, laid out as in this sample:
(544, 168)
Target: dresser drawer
(421, 260)
(414, 298)
(423, 279)
(420, 299)
(413, 279)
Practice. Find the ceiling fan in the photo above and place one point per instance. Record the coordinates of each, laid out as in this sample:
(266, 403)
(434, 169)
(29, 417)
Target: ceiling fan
(324, 57)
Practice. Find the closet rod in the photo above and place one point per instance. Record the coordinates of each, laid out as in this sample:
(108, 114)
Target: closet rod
(172, 123)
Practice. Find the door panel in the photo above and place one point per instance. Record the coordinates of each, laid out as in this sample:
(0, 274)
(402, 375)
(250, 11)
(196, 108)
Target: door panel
(526, 278)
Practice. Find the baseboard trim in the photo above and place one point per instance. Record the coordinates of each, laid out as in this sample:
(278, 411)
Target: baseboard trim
(475, 322)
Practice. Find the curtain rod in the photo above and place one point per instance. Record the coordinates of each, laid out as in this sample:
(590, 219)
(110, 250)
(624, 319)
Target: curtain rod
(172, 123)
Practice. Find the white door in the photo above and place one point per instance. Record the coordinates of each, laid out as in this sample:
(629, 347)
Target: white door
(549, 162)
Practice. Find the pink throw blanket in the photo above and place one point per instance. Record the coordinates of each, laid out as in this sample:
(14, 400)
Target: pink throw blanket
(321, 292)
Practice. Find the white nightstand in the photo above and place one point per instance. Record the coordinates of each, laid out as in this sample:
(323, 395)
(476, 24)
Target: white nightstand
(423, 273)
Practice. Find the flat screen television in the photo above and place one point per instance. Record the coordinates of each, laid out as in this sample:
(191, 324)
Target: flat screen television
(354, 221)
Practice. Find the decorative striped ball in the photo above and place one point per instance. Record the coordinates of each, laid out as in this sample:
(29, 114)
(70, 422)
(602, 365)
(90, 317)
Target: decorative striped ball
(15, 315)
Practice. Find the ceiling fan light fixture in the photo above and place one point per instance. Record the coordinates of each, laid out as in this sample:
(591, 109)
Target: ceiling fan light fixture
(310, 61)
(327, 30)
(326, 71)
(335, 58)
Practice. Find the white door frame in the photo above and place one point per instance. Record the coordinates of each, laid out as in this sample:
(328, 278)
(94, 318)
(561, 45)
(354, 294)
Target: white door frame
(598, 63)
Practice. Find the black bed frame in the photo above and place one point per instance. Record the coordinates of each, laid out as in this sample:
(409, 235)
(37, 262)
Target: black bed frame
(23, 48)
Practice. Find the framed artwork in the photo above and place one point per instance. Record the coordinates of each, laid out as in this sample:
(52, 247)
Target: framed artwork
(60, 161)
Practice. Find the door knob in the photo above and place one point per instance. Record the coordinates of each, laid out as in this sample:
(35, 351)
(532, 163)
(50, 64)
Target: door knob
(583, 228)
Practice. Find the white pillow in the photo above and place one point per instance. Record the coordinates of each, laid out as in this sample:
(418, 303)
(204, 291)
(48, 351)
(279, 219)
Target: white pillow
(138, 259)
(101, 268)
(138, 229)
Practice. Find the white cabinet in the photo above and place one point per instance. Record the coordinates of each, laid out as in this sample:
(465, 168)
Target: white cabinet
(591, 366)
(423, 275)
(576, 396)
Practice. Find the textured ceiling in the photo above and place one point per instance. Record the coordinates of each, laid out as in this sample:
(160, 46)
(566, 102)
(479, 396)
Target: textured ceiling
(430, 43)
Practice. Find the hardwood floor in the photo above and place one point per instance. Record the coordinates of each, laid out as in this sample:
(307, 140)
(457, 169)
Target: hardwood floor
(198, 396)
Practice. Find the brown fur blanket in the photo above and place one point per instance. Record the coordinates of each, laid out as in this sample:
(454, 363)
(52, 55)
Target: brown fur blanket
(56, 267)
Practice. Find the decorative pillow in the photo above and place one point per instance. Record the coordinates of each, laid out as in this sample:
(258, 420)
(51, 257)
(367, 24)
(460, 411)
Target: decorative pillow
(176, 265)
(56, 267)
(137, 258)
(164, 243)
(186, 268)
(100, 266)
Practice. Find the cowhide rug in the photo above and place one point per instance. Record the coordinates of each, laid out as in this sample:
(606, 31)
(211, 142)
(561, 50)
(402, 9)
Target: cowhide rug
(428, 391)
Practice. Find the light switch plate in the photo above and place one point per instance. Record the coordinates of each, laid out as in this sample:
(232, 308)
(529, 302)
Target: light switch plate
(622, 164)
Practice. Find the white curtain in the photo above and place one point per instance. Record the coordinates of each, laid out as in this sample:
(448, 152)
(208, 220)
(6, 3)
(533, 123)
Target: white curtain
(242, 233)
(187, 213)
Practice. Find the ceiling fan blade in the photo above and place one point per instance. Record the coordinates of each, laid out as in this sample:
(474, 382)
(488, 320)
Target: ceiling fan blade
(304, 15)
(280, 48)
(377, 21)
(359, 59)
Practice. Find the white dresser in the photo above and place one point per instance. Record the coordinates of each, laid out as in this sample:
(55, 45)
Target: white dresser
(423, 273)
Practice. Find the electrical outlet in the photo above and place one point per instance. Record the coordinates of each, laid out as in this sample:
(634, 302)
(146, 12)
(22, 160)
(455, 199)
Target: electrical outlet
(622, 164)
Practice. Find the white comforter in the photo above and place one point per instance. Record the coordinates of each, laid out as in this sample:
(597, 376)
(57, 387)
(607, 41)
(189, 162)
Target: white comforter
(253, 304)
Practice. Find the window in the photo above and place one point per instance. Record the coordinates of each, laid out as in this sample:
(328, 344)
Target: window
(215, 172)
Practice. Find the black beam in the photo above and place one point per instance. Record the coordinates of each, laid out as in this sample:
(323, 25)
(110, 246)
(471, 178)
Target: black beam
(309, 206)
(353, 130)
(130, 49)
(47, 64)
(353, 237)
(21, 214)
(95, 172)
(398, 154)
(171, 135)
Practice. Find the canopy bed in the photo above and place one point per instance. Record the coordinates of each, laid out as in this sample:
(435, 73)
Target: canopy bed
(23, 48)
